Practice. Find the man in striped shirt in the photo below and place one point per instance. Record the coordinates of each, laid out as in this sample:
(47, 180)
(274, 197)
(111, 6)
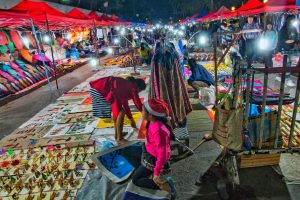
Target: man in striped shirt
(250, 40)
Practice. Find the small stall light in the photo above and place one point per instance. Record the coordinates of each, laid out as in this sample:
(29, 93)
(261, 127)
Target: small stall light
(182, 27)
(180, 33)
(116, 41)
(110, 51)
(232, 8)
(157, 25)
(265, 1)
(46, 38)
(118, 28)
(122, 32)
(263, 44)
(295, 23)
(202, 40)
(94, 62)
(68, 36)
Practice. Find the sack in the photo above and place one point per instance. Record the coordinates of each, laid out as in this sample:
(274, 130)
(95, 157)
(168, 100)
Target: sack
(268, 139)
(228, 124)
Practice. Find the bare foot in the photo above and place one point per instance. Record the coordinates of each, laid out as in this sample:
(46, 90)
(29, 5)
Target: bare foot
(122, 141)
(166, 187)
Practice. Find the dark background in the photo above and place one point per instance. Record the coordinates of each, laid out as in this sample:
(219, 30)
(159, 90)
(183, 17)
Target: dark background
(152, 10)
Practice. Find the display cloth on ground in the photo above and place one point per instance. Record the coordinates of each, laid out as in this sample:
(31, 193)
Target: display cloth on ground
(49, 155)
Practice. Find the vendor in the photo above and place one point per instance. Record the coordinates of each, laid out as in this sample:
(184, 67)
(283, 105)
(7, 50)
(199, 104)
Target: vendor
(145, 54)
(111, 94)
(157, 150)
(200, 76)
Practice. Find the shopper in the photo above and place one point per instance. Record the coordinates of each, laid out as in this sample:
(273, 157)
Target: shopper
(144, 54)
(157, 150)
(225, 40)
(111, 94)
(250, 40)
(200, 76)
(272, 39)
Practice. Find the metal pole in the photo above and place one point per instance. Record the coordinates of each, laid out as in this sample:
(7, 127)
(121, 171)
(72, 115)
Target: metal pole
(216, 67)
(247, 100)
(95, 36)
(280, 103)
(35, 37)
(295, 108)
(52, 54)
(262, 121)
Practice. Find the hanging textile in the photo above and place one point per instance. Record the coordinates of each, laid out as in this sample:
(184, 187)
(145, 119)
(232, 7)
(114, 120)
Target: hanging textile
(167, 83)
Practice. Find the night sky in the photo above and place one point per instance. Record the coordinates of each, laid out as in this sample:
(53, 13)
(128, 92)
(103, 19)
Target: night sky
(151, 10)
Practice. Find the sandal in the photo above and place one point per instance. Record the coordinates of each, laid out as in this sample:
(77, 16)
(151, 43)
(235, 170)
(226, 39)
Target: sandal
(172, 185)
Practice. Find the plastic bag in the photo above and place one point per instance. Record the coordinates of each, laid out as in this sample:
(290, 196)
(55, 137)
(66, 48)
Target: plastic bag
(207, 96)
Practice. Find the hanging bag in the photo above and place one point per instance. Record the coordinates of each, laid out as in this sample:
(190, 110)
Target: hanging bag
(227, 130)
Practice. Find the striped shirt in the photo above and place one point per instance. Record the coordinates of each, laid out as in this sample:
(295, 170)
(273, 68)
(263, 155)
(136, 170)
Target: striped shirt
(250, 36)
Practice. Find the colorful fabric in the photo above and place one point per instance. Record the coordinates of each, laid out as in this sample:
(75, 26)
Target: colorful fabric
(167, 84)
(15, 36)
(3, 39)
(101, 108)
(118, 91)
(158, 145)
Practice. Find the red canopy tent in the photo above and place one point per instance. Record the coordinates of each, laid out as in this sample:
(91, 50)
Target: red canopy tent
(281, 2)
(40, 11)
(35, 8)
(272, 6)
(249, 6)
(78, 14)
(214, 15)
(13, 19)
(189, 18)
(100, 20)
(207, 17)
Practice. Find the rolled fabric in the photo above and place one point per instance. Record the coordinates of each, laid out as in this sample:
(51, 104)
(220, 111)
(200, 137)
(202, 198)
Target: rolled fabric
(16, 39)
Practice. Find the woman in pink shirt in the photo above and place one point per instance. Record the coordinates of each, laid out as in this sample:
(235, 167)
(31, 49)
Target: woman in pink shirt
(157, 149)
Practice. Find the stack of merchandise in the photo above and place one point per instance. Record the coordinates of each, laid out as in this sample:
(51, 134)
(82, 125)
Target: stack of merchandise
(48, 157)
(20, 69)
(128, 59)
(202, 57)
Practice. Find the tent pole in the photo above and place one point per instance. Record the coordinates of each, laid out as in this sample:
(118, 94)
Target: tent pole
(51, 48)
(95, 36)
(35, 36)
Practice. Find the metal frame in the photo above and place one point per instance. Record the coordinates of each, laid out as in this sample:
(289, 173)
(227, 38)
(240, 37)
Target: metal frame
(229, 157)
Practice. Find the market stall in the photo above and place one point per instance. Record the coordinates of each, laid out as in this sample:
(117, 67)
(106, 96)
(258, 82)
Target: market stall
(54, 33)
(49, 156)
